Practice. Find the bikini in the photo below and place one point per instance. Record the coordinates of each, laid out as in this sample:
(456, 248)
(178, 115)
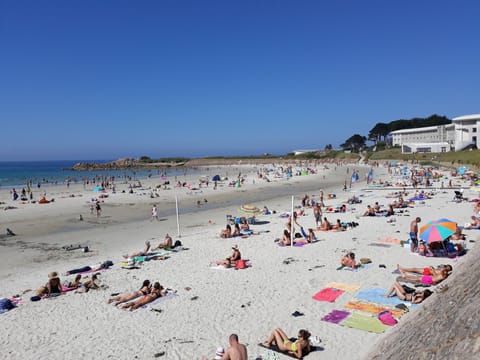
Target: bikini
(294, 344)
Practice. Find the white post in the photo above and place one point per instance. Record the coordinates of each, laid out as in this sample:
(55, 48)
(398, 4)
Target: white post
(178, 223)
(292, 235)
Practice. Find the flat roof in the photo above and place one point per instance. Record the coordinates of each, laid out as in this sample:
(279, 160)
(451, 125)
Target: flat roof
(422, 129)
(467, 117)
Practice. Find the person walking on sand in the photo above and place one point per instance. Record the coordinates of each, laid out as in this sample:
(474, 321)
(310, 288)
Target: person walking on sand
(154, 213)
(236, 351)
(414, 234)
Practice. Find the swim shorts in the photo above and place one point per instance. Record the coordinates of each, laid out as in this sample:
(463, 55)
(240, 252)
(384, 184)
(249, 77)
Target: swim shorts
(427, 280)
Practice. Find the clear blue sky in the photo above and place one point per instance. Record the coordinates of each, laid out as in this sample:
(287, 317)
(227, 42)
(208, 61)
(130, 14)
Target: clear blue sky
(108, 79)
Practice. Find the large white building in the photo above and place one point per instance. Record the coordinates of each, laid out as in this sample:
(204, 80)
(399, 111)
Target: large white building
(458, 135)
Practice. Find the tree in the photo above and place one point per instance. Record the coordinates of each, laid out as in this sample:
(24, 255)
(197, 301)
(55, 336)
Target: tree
(354, 143)
(379, 132)
(328, 147)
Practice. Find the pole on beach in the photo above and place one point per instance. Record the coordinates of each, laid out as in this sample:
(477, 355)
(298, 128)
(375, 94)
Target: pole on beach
(178, 223)
(291, 226)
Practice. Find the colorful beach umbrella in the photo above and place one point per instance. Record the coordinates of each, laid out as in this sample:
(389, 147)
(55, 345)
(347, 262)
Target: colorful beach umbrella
(250, 209)
(437, 230)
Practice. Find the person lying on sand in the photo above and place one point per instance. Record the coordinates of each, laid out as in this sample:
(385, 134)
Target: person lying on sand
(144, 290)
(76, 283)
(231, 261)
(92, 283)
(298, 348)
(95, 267)
(426, 270)
(427, 279)
(167, 242)
(139, 253)
(349, 261)
(338, 226)
(155, 293)
(415, 297)
(473, 224)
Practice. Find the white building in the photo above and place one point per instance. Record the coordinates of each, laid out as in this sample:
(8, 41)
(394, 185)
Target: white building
(462, 132)
(466, 129)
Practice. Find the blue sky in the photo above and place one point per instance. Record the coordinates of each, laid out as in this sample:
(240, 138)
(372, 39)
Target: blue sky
(110, 79)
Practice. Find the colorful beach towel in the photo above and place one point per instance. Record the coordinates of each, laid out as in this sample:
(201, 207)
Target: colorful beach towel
(273, 349)
(364, 322)
(328, 294)
(373, 308)
(336, 316)
(376, 295)
(361, 267)
(343, 286)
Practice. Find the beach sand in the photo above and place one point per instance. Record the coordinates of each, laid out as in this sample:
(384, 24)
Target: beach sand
(210, 304)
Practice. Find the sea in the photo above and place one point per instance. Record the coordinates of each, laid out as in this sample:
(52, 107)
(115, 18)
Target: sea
(17, 174)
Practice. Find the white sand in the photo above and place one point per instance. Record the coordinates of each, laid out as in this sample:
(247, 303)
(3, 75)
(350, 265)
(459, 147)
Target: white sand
(249, 302)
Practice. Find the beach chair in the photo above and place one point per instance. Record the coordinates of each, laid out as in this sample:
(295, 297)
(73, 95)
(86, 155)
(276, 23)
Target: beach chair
(230, 220)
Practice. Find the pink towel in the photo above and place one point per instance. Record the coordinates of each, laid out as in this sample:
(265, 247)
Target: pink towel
(328, 294)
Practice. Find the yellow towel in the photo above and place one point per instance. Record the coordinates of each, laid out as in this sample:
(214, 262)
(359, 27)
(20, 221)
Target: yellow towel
(342, 286)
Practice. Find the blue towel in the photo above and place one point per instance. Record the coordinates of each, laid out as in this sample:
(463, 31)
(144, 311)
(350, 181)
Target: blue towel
(376, 295)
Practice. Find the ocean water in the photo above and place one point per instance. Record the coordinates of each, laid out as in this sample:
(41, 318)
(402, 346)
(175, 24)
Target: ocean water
(16, 174)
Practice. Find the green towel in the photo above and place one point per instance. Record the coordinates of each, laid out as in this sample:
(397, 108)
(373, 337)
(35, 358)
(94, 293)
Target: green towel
(364, 322)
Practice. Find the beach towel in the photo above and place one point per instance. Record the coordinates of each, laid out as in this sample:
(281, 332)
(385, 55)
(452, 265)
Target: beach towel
(6, 305)
(248, 264)
(343, 286)
(168, 296)
(274, 348)
(336, 316)
(328, 294)
(364, 322)
(372, 308)
(66, 288)
(376, 295)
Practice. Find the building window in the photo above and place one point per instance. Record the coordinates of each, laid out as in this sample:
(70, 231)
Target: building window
(474, 130)
(444, 149)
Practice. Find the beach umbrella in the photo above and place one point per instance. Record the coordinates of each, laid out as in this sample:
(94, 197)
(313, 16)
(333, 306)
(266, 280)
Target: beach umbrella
(437, 230)
(475, 188)
(250, 209)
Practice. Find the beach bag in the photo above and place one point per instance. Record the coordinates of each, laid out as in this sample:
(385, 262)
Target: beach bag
(177, 243)
(241, 264)
(5, 305)
(387, 318)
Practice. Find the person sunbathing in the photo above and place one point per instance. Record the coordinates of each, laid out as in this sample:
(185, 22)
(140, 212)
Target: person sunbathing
(415, 297)
(144, 290)
(231, 261)
(286, 240)
(474, 224)
(155, 293)
(167, 242)
(427, 279)
(338, 226)
(297, 348)
(325, 225)
(349, 261)
(426, 270)
(52, 288)
(227, 233)
(244, 224)
(369, 212)
(76, 283)
(236, 232)
(139, 253)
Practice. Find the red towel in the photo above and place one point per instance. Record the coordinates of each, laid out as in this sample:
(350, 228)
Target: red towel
(328, 294)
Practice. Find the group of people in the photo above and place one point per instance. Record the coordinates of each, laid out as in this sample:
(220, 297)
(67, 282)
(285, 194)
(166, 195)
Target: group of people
(296, 347)
(144, 295)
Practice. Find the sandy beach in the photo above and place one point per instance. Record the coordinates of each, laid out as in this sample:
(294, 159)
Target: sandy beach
(207, 304)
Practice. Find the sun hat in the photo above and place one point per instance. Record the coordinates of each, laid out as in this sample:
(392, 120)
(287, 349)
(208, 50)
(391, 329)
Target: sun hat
(53, 275)
(235, 247)
(219, 353)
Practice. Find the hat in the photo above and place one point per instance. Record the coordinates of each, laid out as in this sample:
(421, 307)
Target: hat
(53, 275)
(219, 353)
(235, 247)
